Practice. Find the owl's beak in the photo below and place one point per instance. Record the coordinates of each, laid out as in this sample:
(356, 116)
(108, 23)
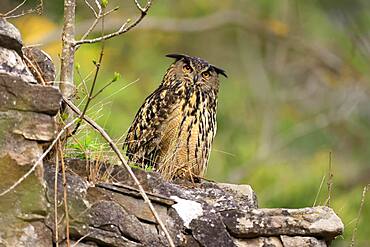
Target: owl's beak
(195, 78)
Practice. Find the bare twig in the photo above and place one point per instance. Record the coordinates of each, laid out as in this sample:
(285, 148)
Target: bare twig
(102, 89)
(80, 239)
(38, 160)
(353, 239)
(116, 92)
(104, 134)
(92, 8)
(98, 15)
(97, 2)
(15, 9)
(38, 9)
(141, 8)
(125, 27)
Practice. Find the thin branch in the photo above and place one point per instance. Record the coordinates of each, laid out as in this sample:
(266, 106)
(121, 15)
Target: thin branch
(39, 9)
(104, 134)
(98, 5)
(120, 31)
(141, 8)
(89, 30)
(113, 94)
(92, 8)
(38, 160)
(98, 15)
(15, 9)
(93, 25)
(123, 29)
(102, 89)
(80, 239)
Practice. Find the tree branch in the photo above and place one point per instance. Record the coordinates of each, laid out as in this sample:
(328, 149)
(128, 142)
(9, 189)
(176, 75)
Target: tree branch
(98, 15)
(38, 9)
(125, 27)
(68, 49)
(15, 9)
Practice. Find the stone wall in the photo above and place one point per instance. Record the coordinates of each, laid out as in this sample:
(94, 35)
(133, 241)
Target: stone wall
(205, 214)
(27, 122)
(112, 213)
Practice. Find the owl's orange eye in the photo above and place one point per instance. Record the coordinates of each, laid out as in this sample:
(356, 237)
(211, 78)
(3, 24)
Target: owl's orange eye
(187, 68)
(206, 74)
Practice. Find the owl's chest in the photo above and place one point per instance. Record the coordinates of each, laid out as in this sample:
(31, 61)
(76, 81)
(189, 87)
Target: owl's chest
(190, 127)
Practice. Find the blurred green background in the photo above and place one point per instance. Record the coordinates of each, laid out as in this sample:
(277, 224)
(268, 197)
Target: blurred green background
(298, 88)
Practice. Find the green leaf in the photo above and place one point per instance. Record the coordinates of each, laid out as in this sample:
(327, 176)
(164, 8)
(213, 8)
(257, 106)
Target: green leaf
(77, 66)
(104, 3)
(65, 116)
(116, 76)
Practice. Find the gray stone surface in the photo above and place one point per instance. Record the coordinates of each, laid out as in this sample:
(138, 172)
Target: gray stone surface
(243, 192)
(317, 221)
(17, 148)
(23, 209)
(120, 207)
(289, 241)
(191, 212)
(259, 242)
(10, 37)
(11, 63)
(31, 125)
(28, 235)
(16, 94)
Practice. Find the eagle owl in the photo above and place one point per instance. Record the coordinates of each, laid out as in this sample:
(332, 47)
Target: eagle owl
(174, 128)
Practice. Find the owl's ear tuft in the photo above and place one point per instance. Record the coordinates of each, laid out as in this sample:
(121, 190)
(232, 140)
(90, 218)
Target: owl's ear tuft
(178, 56)
(219, 71)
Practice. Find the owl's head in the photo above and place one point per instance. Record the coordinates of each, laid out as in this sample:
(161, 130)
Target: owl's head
(195, 70)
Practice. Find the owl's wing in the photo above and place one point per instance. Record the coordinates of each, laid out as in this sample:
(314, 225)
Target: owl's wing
(144, 135)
